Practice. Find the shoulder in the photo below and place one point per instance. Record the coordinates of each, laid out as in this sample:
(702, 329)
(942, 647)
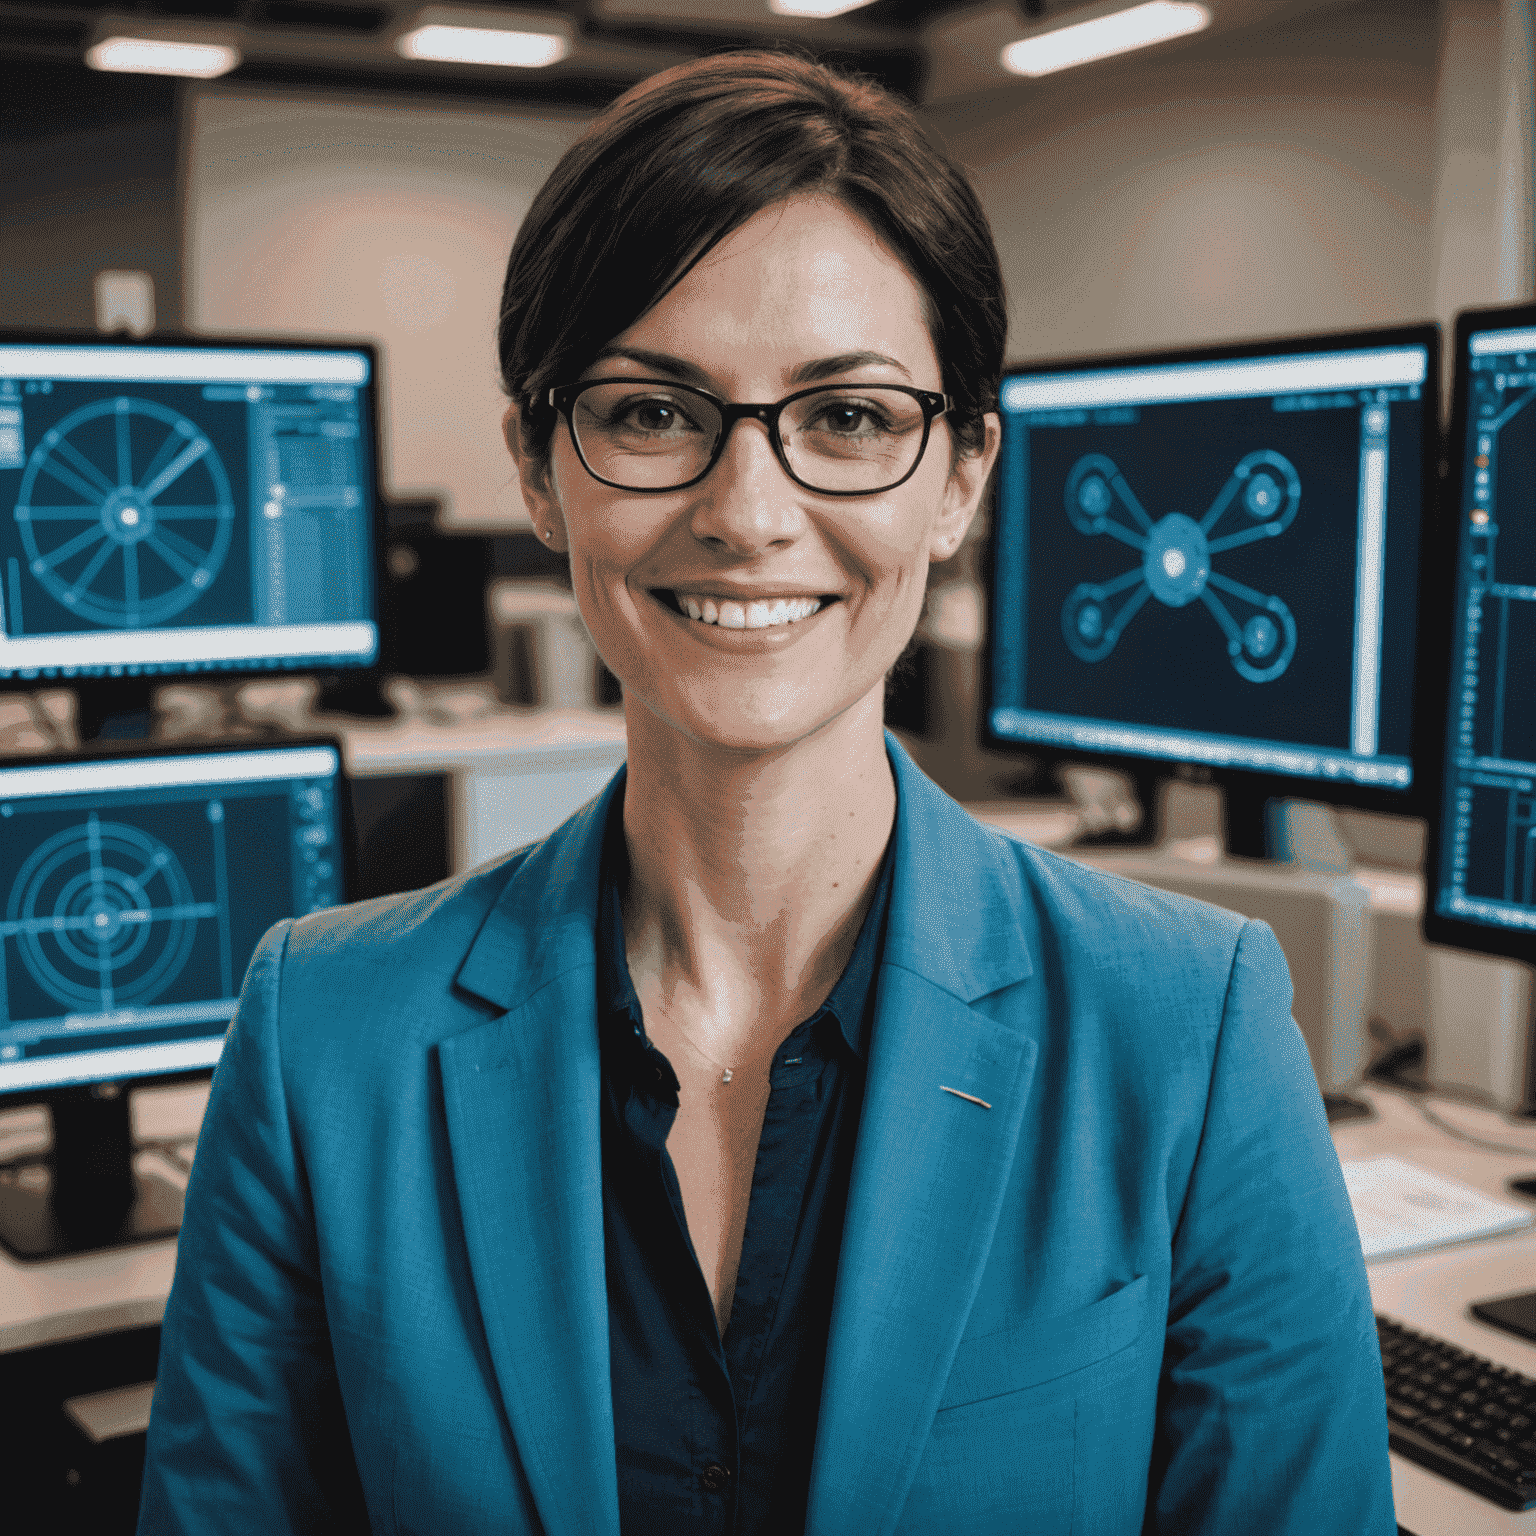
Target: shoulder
(382, 958)
(1093, 914)
(1149, 974)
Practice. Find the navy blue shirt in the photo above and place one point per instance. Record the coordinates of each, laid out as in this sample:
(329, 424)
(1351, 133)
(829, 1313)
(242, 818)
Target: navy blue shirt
(715, 1435)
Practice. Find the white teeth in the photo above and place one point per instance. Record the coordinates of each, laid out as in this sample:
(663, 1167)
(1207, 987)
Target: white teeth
(759, 614)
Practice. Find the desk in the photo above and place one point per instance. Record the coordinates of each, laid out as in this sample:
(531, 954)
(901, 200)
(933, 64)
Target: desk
(517, 774)
(1431, 1291)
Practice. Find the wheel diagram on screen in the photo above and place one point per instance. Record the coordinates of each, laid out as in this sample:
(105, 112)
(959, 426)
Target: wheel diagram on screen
(103, 916)
(1175, 563)
(151, 520)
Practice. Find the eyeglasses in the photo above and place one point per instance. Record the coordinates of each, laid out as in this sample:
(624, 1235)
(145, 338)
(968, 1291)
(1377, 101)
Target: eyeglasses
(654, 435)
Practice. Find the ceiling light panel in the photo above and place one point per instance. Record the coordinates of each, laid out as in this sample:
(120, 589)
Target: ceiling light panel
(1104, 36)
(510, 39)
(815, 7)
(158, 45)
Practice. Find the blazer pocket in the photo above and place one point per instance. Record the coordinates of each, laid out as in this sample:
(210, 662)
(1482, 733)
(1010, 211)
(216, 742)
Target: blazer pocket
(1046, 1348)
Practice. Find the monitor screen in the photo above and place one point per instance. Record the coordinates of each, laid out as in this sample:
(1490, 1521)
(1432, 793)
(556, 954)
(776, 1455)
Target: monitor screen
(1213, 558)
(1483, 845)
(187, 507)
(135, 889)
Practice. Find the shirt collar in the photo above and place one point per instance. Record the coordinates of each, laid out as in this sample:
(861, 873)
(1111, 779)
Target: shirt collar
(849, 1001)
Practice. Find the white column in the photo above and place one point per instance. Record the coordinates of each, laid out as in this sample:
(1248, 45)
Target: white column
(1515, 150)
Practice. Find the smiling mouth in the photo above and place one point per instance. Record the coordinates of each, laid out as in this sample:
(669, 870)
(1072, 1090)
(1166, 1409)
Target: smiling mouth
(730, 613)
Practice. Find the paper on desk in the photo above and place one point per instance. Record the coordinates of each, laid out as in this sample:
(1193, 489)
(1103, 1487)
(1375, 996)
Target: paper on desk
(1401, 1208)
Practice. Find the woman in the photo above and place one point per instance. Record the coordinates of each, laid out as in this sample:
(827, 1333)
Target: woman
(772, 1148)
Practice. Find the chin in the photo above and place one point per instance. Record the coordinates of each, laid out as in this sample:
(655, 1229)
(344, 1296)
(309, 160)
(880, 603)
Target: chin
(763, 719)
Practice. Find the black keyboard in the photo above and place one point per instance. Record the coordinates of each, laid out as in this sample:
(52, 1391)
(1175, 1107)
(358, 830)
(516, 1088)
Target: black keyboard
(1460, 1415)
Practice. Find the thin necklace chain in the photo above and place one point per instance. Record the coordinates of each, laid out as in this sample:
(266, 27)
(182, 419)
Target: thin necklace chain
(702, 1052)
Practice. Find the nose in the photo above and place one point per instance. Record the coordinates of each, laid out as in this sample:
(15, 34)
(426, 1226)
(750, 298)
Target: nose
(747, 504)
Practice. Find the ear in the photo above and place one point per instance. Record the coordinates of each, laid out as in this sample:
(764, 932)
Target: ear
(536, 480)
(963, 493)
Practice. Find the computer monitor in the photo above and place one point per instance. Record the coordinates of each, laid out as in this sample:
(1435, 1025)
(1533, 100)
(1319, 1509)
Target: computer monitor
(1480, 631)
(1209, 560)
(434, 615)
(184, 506)
(135, 888)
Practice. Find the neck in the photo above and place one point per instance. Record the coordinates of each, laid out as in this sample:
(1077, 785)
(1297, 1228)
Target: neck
(750, 872)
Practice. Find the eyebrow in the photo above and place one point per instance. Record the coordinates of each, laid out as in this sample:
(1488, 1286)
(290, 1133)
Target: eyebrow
(807, 373)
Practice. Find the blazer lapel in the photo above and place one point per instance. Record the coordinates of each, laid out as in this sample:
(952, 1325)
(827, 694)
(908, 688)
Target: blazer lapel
(930, 1166)
(521, 1095)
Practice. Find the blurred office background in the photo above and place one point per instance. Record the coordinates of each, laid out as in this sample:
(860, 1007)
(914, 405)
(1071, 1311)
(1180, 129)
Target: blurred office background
(1296, 166)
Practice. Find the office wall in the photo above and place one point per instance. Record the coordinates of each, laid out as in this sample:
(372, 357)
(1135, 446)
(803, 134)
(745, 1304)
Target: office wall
(88, 180)
(1285, 181)
(309, 214)
(1282, 181)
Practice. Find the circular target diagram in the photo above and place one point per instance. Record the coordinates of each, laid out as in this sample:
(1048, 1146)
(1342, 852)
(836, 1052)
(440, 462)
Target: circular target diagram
(1175, 565)
(144, 518)
(103, 915)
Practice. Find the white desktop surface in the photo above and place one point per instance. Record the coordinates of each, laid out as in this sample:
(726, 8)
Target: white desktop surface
(1432, 1291)
(518, 773)
(415, 742)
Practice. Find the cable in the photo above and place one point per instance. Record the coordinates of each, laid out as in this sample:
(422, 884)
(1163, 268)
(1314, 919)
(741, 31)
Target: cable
(1418, 1096)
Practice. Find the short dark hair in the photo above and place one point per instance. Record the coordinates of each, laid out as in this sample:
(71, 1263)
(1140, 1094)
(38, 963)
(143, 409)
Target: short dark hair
(686, 157)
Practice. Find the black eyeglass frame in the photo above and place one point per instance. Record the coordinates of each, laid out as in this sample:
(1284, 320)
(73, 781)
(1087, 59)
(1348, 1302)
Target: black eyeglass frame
(563, 397)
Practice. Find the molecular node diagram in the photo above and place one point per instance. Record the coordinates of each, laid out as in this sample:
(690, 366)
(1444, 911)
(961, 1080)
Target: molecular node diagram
(1176, 556)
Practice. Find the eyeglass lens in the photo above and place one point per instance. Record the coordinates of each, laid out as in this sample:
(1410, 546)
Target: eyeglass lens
(653, 438)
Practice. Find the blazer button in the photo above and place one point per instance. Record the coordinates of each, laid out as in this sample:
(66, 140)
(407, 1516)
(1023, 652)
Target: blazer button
(714, 1477)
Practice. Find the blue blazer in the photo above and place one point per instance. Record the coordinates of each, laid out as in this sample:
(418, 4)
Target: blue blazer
(1126, 1296)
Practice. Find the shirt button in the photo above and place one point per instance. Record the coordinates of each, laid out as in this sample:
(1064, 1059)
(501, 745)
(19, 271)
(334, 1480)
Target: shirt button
(714, 1477)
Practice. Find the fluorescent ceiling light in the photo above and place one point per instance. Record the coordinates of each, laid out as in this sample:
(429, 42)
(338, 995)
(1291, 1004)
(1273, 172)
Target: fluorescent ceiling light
(814, 7)
(521, 40)
(1104, 36)
(162, 56)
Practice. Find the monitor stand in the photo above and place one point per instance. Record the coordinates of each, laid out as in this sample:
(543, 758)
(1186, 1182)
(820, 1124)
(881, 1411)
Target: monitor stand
(113, 709)
(359, 696)
(1527, 1107)
(1245, 829)
(86, 1194)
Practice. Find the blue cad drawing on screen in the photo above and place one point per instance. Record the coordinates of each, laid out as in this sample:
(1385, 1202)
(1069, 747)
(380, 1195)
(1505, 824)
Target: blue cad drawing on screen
(1176, 560)
(1491, 820)
(1213, 559)
(131, 909)
(150, 559)
(190, 508)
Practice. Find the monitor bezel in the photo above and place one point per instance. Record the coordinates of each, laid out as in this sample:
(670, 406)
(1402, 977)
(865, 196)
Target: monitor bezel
(1252, 786)
(137, 751)
(57, 677)
(1437, 619)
